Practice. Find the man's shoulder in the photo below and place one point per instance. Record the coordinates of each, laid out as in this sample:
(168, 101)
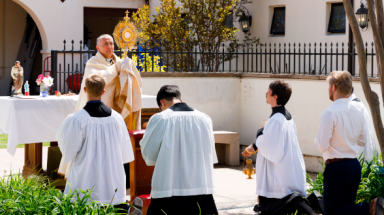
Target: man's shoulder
(117, 116)
(279, 117)
(81, 115)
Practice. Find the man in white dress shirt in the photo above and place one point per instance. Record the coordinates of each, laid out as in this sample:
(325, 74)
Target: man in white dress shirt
(280, 168)
(342, 128)
(97, 142)
(179, 142)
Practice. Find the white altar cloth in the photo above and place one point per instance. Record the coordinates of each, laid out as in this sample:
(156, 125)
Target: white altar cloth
(36, 119)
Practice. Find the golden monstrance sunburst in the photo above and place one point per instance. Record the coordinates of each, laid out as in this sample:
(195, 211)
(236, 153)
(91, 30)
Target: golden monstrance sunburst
(125, 34)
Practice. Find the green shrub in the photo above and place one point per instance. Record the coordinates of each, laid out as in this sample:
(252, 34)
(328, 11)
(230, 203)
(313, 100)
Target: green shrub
(371, 185)
(34, 195)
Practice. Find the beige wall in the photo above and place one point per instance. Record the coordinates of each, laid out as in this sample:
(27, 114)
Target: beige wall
(238, 104)
(306, 21)
(309, 99)
(12, 26)
(217, 97)
(58, 21)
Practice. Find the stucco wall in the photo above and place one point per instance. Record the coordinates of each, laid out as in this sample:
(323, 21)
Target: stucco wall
(238, 104)
(306, 21)
(217, 97)
(309, 99)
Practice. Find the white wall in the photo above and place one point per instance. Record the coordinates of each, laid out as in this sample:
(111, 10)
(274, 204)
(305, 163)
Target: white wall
(59, 21)
(309, 99)
(306, 21)
(217, 97)
(238, 104)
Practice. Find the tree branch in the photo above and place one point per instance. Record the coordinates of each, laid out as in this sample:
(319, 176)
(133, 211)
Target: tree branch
(378, 44)
(372, 98)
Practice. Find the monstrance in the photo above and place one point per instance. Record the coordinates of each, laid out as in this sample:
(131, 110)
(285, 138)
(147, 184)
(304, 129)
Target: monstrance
(125, 34)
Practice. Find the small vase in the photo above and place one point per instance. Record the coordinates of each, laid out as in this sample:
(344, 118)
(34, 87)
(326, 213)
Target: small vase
(43, 90)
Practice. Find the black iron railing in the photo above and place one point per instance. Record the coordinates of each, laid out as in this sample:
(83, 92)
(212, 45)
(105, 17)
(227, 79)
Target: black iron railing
(282, 58)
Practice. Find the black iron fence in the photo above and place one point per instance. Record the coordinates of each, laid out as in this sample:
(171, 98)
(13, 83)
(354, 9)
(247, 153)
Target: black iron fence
(67, 66)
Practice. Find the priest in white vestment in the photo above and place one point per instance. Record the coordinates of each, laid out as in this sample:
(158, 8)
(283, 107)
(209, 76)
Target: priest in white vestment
(280, 168)
(123, 89)
(97, 142)
(369, 150)
(179, 142)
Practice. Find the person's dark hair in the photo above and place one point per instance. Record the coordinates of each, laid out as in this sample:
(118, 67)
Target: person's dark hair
(283, 91)
(168, 92)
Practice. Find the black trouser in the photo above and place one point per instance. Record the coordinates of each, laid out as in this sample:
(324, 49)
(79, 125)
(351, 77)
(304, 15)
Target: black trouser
(341, 181)
(183, 205)
(127, 176)
(290, 204)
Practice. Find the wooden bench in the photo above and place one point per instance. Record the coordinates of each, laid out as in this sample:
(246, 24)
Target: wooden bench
(232, 147)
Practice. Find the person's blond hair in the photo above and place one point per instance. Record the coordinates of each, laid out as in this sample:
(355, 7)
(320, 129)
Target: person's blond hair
(342, 80)
(95, 85)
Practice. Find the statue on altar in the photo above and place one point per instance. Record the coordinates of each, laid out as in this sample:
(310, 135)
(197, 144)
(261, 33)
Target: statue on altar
(123, 88)
(17, 74)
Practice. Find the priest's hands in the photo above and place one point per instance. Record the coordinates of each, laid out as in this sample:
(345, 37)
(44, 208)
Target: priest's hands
(247, 152)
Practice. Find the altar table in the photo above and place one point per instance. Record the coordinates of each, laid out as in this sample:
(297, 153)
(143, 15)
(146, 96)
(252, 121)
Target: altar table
(32, 120)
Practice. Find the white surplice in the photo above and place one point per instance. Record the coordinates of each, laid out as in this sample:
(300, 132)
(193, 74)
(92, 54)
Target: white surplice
(181, 146)
(122, 90)
(280, 168)
(370, 147)
(98, 148)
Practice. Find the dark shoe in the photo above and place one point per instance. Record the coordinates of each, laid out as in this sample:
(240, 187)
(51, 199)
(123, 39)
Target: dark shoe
(257, 208)
(315, 200)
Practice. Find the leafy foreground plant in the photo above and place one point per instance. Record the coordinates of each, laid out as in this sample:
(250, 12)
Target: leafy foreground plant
(371, 185)
(35, 195)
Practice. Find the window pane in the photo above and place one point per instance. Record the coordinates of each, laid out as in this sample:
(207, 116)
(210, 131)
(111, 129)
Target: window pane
(337, 19)
(278, 21)
(229, 20)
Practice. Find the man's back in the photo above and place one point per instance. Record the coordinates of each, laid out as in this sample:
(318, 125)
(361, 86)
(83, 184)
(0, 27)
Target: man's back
(183, 151)
(97, 147)
(342, 125)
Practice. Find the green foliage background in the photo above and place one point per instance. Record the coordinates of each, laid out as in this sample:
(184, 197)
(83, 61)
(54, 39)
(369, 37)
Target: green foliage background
(186, 26)
(34, 195)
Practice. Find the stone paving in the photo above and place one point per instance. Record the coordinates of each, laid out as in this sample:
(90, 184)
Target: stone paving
(235, 194)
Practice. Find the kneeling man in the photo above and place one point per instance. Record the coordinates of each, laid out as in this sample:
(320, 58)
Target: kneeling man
(96, 139)
(280, 168)
(179, 142)
(343, 126)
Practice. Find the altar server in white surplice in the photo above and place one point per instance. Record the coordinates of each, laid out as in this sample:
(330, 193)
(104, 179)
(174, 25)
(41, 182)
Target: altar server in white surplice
(179, 142)
(97, 142)
(280, 168)
(370, 147)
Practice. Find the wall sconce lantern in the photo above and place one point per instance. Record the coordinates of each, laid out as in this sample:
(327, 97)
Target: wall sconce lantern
(245, 22)
(362, 17)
